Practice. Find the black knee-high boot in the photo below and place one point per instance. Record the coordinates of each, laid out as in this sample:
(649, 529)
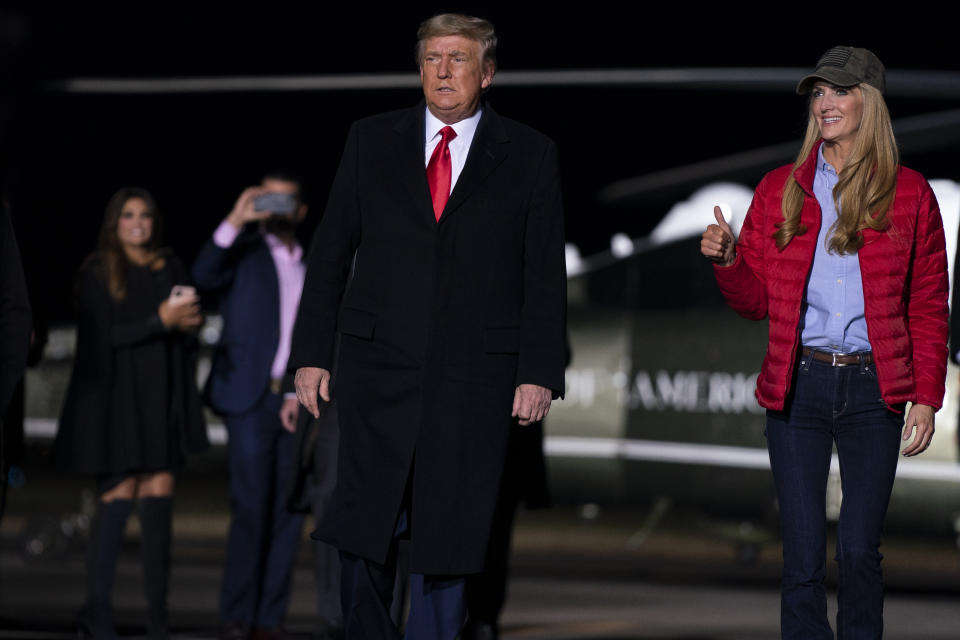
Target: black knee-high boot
(155, 519)
(106, 538)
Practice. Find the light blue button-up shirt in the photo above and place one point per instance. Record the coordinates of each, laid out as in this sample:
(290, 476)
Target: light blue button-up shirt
(833, 318)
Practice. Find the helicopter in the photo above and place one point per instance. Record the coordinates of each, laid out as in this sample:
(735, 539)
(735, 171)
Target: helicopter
(663, 373)
(659, 409)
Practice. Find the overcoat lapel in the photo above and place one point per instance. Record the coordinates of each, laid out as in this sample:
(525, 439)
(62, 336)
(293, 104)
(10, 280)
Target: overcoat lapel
(487, 151)
(409, 153)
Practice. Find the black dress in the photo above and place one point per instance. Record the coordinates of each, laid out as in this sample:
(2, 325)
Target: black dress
(132, 404)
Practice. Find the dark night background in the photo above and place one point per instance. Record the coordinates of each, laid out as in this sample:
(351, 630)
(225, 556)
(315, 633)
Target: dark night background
(64, 154)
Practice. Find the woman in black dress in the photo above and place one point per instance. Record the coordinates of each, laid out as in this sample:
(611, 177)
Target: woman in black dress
(132, 409)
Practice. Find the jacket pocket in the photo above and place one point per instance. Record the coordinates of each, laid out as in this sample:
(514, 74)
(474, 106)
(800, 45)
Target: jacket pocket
(501, 340)
(357, 323)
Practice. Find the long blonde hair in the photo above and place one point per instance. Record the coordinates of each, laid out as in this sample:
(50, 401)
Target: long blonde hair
(866, 185)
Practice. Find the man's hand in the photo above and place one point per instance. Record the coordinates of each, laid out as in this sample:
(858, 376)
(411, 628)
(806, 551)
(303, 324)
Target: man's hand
(921, 417)
(531, 403)
(288, 414)
(310, 381)
(243, 211)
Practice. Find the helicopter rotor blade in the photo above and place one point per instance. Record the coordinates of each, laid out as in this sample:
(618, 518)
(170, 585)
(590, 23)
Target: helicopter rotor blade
(915, 134)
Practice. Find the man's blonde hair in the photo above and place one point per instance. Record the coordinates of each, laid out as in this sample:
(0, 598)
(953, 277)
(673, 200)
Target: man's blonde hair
(457, 24)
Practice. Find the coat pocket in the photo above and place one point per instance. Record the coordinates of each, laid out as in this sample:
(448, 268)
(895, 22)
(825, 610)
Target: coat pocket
(501, 340)
(357, 323)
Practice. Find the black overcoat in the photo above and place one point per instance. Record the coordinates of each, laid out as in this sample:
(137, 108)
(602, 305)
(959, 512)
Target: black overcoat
(440, 323)
(14, 316)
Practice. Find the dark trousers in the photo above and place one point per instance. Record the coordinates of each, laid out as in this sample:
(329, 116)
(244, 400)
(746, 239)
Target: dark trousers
(437, 607)
(263, 536)
(326, 559)
(840, 405)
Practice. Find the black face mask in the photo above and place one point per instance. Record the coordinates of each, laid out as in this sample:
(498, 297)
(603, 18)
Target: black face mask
(280, 225)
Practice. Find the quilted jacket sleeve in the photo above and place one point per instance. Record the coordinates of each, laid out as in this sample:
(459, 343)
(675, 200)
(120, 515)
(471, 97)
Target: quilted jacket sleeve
(927, 310)
(743, 283)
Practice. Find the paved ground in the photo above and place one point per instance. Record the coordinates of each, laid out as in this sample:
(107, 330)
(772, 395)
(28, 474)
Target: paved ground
(575, 578)
(572, 580)
(578, 609)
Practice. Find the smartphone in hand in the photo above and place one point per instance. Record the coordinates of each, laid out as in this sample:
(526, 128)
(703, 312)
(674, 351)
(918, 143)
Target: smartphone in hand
(279, 204)
(182, 294)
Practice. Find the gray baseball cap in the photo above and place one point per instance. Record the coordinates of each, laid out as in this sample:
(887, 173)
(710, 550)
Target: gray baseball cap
(845, 67)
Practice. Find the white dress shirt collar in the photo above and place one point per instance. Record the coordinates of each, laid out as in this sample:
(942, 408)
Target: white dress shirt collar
(465, 128)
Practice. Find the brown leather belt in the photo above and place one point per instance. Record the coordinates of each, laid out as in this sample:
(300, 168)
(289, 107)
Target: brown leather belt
(839, 359)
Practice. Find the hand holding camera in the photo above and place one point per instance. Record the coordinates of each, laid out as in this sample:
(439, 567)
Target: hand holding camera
(256, 203)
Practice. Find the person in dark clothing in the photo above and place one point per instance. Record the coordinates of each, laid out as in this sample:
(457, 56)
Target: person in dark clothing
(452, 326)
(14, 312)
(12, 447)
(34, 273)
(253, 267)
(524, 481)
(132, 409)
(311, 485)
(14, 329)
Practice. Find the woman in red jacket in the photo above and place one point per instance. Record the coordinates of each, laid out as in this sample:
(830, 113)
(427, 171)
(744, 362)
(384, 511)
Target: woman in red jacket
(844, 250)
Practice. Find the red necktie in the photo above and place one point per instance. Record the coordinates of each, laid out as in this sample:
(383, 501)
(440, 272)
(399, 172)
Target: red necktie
(439, 171)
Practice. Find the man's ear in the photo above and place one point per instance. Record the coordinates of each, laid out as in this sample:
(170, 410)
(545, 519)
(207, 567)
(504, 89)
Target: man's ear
(489, 69)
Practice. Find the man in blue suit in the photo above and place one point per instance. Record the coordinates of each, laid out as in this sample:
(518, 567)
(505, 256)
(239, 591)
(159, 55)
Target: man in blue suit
(253, 264)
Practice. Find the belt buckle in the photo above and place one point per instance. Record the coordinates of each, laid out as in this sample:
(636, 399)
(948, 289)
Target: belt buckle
(834, 354)
(276, 385)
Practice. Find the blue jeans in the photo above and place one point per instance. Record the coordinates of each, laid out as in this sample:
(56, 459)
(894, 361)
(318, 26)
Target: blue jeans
(830, 405)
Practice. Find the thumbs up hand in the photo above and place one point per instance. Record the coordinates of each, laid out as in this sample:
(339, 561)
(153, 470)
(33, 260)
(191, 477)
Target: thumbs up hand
(717, 241)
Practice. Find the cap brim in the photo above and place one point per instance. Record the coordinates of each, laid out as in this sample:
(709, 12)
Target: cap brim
(833, 76)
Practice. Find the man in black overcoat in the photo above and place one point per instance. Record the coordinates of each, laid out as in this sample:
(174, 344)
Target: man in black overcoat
(452, 328)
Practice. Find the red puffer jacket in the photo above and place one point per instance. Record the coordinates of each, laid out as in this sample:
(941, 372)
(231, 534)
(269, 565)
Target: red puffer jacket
(904, 272)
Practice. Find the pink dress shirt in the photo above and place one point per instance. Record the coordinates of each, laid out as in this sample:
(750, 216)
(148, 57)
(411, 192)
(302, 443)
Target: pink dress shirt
(290, 273)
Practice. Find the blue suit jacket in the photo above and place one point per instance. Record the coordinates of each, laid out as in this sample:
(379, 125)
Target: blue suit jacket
(244, 279)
